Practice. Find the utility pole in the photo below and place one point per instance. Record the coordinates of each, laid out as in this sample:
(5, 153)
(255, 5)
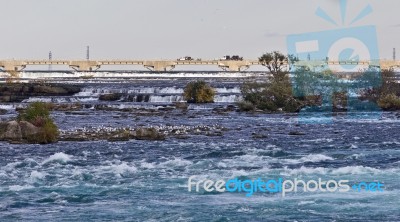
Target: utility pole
(394, 54)
(87, 53)
(50, 59)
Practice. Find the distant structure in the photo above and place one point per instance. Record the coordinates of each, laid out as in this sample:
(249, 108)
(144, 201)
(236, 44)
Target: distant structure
(167, 65)
(87, 53)
(309, 57)
(394, 54)
(50, 59)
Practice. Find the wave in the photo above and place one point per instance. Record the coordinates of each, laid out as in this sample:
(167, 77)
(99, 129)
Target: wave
(36, 176)
(119, 169)
(315, 158)
(353, 170)
(19, 187)
(177, 162)
(58, 157)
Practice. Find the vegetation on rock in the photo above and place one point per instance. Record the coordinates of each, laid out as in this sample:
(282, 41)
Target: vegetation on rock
(276, 93)
(199, 92)
(38, 114)
(386, 91)
(290, 92)
(389, 102)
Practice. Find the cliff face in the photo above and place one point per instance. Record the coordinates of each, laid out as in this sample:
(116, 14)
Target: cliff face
(17, 92)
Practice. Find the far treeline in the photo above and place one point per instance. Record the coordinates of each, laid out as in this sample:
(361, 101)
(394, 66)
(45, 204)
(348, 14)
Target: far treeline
(285, 91)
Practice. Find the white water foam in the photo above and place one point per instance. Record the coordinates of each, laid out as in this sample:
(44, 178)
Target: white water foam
(7, 107)
(119, 169)
(58, 157)
(356, 170)
(35, 176)
(19, 187)
(165, 99)
(315, 158)
(177, 162)
(353, 170)
(227, 98)
(148, 90)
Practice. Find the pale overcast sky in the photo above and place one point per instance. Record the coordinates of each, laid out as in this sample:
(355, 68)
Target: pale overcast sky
(167, 29)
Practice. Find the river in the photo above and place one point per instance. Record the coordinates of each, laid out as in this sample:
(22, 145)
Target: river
(148, 180)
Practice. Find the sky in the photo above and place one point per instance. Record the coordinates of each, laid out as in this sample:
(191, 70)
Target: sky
(168, 29)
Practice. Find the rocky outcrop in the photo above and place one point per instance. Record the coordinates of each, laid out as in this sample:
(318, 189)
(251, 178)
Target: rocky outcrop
(17, 92)
(121, 135)
(110, 97)
(13, 132)
(181, 105)
(17, 132)
(148, 134)
(28, 129)
(141, 133)
(115, 135)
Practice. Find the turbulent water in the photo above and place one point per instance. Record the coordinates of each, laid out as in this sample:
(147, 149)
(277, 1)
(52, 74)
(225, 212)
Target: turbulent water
(147, 181)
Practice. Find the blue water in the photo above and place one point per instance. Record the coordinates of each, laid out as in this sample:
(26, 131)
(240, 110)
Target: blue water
(147, 180)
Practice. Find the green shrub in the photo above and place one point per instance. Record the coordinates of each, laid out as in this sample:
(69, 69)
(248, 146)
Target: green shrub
(48, 133)
(34, 111)
(389, 102)
(384, 84)
(246, 106)
(272, 96)
(38, 114)
(199, 92)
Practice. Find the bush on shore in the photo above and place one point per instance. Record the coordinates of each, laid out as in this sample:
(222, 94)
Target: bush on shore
(199, 92)
(38, 114)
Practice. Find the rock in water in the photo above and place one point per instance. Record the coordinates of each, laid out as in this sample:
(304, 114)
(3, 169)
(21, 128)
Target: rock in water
(181, 105)
(296, 133)
(18, 132)
(28, 129)
(13, 132)
(121, 135)
(148, 134)
(110, 97)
